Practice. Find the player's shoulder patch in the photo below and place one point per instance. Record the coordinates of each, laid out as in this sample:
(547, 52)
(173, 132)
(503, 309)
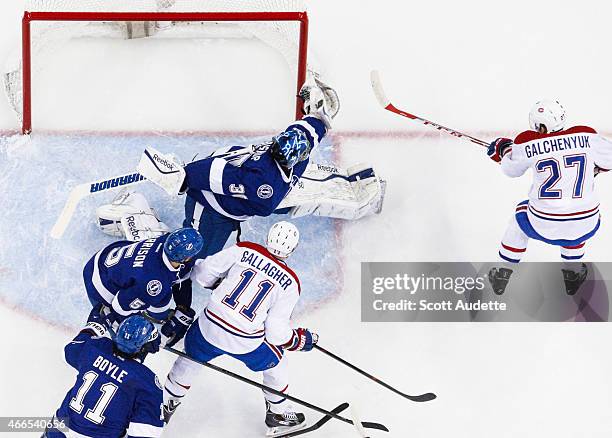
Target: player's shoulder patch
(265, 191)
(154, 287)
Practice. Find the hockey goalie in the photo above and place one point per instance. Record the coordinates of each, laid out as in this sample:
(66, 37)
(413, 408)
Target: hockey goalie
(236, 183)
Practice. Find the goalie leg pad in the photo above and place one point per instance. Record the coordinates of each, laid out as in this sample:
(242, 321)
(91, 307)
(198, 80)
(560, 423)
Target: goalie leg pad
(334, 192)
(130, 216)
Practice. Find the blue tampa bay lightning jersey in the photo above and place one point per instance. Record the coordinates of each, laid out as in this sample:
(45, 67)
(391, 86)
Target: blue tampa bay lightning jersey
(130, 277)
(111, 394)
(253, 186)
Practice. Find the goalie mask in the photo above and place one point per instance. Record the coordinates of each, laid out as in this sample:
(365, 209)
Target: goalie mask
(290, 147)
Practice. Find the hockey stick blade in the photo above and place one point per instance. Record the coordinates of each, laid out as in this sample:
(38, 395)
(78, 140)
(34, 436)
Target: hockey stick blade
(81, 191)
(415, 398)
(316, 425)
(379, 92)
(429, 396)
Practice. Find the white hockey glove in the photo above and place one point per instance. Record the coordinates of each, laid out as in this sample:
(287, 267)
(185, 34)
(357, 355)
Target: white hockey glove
(129, 216)
(320, 100)
(330, 191)
(164, 170)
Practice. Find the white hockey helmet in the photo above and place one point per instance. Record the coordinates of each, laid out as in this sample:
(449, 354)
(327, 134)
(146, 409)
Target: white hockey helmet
(283, 238)
(549, 113)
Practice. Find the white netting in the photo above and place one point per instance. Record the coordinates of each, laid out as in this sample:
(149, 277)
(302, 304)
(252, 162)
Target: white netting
(47, 36)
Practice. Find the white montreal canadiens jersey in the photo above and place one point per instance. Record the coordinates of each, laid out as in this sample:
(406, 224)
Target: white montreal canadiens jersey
(254, 301)
(562, 200)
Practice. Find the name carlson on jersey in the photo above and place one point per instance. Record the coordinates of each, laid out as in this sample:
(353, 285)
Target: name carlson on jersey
(550, 145)
(268, 267)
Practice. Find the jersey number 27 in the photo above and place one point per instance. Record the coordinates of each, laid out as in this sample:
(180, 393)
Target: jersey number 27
(552, 166)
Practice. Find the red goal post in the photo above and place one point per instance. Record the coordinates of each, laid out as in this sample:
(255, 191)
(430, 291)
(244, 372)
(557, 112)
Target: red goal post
(29, 17)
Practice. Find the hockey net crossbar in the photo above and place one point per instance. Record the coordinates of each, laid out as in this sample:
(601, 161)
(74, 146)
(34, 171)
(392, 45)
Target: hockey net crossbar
(74, 16)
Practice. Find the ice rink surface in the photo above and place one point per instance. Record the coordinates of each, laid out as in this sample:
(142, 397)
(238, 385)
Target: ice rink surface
(474, 65)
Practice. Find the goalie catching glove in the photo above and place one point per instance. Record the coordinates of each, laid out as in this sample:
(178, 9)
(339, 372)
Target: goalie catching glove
(320, 100)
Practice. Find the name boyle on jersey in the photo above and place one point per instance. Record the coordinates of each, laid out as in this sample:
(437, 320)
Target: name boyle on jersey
(268, 267)
(550, 145)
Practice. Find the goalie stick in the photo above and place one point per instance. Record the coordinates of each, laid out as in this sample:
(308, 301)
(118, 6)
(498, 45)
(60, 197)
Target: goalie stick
(80, 192)
(379, 92)
(83, 190)
(365, 424)
(316, 425)
(415, 398)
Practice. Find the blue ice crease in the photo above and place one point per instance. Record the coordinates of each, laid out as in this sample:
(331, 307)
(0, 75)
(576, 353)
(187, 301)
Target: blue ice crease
(44, 276)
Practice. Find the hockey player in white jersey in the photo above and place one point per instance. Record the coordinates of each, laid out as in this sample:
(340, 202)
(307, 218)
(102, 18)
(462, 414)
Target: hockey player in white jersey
(248, 318)
(563, 208)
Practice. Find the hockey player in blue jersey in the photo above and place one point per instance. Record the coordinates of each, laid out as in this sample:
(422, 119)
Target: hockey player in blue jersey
(134, 277)
(115, 394)
(237, 183)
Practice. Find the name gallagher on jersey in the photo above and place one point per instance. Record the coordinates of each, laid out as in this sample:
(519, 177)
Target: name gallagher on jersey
(268, 268)
(557, 144)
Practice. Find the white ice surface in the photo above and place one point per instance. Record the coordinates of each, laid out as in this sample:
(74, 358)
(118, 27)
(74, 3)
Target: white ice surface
(472, 65)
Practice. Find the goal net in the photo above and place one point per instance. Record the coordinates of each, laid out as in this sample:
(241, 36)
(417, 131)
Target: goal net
(50, 24)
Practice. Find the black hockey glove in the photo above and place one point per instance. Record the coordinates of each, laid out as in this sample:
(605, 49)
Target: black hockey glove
(175, 328)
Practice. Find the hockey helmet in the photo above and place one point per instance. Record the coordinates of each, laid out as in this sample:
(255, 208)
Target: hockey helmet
(549, 114)
(183, 244)
(133, 333)
(283, 238)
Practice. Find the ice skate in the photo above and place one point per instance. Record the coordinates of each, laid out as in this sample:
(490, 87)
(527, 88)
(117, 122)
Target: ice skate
(285, 422)
(573, 279)
(499, 278)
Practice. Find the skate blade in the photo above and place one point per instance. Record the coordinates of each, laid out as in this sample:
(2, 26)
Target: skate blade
(281, 430)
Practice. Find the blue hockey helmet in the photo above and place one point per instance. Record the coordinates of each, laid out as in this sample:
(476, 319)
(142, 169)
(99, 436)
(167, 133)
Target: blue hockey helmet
(290, 147)
(133, 333)
(182, 244)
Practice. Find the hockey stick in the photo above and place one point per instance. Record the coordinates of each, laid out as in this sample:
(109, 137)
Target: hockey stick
(415, 398)
(379, 92)
(83, 190)
(80, 192)
(366, 424)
